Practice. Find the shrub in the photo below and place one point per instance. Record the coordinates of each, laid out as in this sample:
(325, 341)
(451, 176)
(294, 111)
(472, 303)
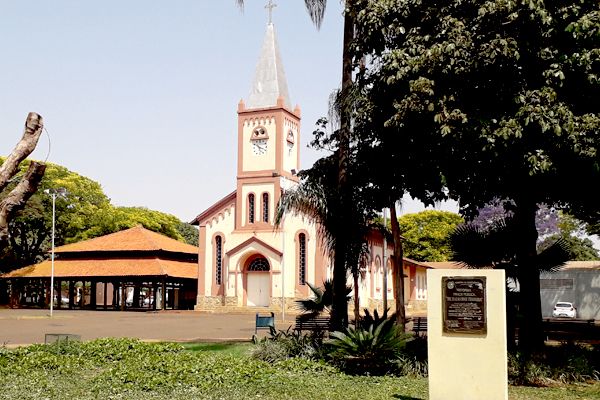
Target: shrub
(413, 360)
(567, 363)
(285, 344)
(371, 349)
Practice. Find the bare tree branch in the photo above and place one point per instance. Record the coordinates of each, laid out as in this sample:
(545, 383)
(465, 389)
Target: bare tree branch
(27, 186)
(17, 197)
(33, 130)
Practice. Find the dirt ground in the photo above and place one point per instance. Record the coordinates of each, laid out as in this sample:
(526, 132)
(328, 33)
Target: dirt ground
(21, 327)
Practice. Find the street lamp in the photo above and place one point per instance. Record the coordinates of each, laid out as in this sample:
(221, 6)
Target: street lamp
(385, 270)
(54, 193)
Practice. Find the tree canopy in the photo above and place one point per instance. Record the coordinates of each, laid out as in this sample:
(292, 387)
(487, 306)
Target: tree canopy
(426, 234)
(83, 213)
(502, 94)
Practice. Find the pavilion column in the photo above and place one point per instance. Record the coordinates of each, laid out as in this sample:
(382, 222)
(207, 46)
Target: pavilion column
(47, 293)
(14, 293)
(57, 293)
(154, 295)
(164, 294)
(115, 301)
(71, 294)
(93, 294)
(123, 296)
(136, 295)
(105, 294)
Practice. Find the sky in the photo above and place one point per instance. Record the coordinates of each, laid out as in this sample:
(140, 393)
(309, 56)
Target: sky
(141, 95)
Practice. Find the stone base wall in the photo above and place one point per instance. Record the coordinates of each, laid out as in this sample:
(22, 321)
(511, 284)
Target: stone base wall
(417, 305)
(413, 306)
(375, 304)
(290, 304)
(215, 302)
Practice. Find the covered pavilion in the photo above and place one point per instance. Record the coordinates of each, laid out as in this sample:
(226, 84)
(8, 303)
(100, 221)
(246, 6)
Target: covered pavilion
(134, 269)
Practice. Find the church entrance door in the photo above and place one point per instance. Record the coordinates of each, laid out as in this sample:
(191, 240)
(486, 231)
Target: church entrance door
(258, 289)
(258, 283)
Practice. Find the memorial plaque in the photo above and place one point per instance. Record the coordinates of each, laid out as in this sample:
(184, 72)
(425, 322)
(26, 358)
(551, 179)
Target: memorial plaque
(463, 302)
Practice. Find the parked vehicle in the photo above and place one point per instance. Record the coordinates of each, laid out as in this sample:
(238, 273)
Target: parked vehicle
(564, 309)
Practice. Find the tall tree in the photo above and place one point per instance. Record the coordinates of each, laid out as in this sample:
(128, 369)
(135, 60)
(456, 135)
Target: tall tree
(426, 234)
(316, 199)
(16, 198)
(504, 96)
(84, 213)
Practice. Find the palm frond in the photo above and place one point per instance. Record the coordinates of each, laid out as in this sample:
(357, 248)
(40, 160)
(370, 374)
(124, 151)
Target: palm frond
(317, 290)
(309, 201)
(554, 257)
(470, 246)
(316, 10)
(240, 4)
(475, 247)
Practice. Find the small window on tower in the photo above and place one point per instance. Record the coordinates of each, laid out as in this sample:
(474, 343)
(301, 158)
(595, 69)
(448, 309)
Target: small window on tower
(265, 207)
(251, 208)
(259, 133)
(218, 260)
(302, 259)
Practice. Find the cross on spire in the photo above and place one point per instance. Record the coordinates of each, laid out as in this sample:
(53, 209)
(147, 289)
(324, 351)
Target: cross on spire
(270, 6)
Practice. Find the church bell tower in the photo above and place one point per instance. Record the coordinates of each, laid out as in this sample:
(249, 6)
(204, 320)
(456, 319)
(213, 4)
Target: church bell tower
(268, 140)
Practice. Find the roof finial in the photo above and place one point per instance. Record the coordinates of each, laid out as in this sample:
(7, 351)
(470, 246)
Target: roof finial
(270, 6)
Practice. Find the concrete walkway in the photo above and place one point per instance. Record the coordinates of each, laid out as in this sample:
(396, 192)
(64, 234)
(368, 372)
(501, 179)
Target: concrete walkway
(21, 327)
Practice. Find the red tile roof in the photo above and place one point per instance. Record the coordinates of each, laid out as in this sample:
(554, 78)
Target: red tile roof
(444, 264)
(108, 268)
(133, 239)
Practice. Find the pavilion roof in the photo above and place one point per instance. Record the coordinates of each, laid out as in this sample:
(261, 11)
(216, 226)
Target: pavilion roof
(108, 268)
(134, 239)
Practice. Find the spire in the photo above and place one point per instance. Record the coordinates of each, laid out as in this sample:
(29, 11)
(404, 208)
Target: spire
(269, 79)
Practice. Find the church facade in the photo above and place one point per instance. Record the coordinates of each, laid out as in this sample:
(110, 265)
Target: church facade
(244, 261)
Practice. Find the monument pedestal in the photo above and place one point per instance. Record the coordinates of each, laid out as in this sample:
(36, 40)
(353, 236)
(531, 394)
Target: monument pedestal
(466, 314)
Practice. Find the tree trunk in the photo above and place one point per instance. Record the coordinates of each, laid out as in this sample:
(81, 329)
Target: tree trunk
(530, 307)
(17, 198)
(339, 312)
(28, 185)
(33, 129)
(398, 268)
(356, 275)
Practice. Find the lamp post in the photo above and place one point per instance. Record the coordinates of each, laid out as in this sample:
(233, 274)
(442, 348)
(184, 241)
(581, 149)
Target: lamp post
(385, 271)
(54, 193)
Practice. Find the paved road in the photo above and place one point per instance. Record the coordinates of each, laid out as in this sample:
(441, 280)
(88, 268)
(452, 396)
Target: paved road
(19, 327)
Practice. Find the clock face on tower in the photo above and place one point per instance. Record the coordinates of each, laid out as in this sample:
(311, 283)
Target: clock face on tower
(259, 141)
(290, 141)
(259, 146)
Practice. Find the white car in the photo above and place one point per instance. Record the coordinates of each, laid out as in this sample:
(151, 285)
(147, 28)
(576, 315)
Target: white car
(564, 309)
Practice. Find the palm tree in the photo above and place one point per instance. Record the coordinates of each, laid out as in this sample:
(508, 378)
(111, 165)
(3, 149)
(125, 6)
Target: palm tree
(497, 247)
(316, 200)
(339, 317)
(321, 300)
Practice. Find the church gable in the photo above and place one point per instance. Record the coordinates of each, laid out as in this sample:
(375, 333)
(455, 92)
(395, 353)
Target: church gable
(212, 212)
(255, 244)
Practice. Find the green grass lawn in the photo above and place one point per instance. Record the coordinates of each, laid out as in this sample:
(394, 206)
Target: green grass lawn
(129, 369)
(232, 348)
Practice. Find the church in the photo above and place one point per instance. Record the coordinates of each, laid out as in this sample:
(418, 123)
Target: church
(243, 260)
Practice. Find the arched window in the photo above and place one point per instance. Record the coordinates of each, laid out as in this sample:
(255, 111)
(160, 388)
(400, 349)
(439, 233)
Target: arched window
(218, 260)
(302, 259)
(251, 208)
(259, 264)
(378, 275)
(265, 207)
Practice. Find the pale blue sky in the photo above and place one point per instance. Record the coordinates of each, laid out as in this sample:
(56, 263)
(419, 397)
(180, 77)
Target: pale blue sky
(141, 95)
